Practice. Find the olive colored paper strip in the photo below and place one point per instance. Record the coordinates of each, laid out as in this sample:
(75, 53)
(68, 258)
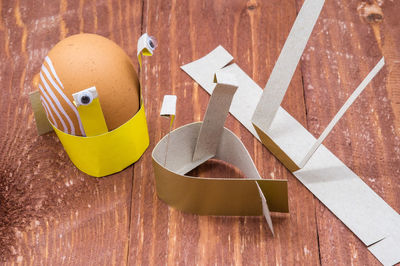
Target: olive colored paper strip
(43, 125)
(191, 145)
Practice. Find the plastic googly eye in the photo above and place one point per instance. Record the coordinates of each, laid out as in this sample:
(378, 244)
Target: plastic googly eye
(152, 41)
(85, 99)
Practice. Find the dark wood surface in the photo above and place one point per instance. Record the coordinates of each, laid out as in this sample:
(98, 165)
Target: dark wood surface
(50, 213)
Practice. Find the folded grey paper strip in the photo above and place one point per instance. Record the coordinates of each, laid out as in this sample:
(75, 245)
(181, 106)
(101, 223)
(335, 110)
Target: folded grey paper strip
(286, 64)
(213, 126)
(243, 104)
(342, 111)
(366, 214)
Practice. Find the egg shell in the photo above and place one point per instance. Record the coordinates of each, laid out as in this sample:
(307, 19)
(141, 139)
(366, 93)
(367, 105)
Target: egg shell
(82, 61)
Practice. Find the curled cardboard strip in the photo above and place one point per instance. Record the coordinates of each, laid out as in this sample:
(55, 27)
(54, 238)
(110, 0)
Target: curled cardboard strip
(193, 144)
(366, 214)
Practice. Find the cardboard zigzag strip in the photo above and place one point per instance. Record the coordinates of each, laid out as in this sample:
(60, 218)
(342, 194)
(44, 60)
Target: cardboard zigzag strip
(366, 214)
(191, 145)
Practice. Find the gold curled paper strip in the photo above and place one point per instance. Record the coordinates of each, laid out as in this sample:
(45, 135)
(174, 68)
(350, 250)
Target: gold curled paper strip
(189, 146)
(213, 196)
(366, 214)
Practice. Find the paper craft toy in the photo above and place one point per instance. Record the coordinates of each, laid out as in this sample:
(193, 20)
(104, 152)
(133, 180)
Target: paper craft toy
(375, 223)
(89, 94)
(191, 145)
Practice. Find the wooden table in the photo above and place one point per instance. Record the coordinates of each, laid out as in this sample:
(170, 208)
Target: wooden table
(51, 213)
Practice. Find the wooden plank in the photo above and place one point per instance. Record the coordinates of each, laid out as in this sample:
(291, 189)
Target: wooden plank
(50, 213)
(187, 30)
(340, 53)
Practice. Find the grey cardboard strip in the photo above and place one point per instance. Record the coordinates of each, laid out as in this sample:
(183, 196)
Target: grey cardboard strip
(213, 126)
(342, 110)
(203, 71)
(168, 107)
(214, 119)
(387, 250)
(286, 64)
(366, 214)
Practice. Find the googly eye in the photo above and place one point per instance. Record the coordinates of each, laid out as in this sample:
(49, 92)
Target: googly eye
(152, 42)
(85, 98)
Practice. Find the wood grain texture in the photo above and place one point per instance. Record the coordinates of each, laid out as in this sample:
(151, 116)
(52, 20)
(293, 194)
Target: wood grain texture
(52, 214)
(341, 52)
(189, 30)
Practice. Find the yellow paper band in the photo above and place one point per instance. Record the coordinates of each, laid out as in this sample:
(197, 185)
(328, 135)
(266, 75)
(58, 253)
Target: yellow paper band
(111, 152)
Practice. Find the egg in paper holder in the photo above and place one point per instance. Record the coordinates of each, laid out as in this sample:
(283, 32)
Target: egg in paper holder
(111, 143)
(110, 152)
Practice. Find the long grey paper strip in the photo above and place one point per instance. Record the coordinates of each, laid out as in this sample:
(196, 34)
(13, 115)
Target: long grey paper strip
(366, 214)
(286, 64)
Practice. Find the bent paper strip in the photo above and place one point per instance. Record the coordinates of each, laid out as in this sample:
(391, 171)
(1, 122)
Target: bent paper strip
(287, 62)
(342, 111)
(191, 145)
(367, 215)
(90, 112)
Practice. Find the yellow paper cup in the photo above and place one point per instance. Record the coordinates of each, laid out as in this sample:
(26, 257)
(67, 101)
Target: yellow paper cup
(110, 152)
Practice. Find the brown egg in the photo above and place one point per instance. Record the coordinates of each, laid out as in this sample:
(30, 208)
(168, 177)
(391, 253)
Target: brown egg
(82, 61)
